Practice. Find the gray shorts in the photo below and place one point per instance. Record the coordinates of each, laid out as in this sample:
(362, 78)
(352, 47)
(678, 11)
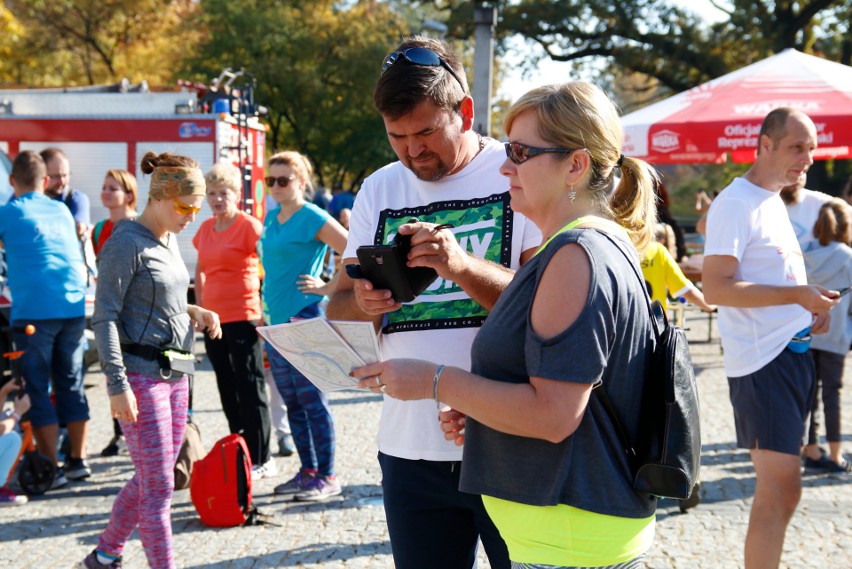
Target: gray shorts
(771, 405)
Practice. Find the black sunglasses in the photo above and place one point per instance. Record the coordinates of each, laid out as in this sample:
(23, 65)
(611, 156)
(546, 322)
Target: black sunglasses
(420, 56)
(520, 153)
(282, 181)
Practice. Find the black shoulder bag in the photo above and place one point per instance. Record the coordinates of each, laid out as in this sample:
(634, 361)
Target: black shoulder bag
(665, 457)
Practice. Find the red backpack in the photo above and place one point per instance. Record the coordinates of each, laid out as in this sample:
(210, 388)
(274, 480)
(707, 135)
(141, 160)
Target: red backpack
(220, 484)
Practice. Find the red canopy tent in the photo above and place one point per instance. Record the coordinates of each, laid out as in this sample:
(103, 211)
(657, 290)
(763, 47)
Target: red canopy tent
(724, 115)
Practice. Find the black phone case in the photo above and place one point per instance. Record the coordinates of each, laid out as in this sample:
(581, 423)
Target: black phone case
(385, 267)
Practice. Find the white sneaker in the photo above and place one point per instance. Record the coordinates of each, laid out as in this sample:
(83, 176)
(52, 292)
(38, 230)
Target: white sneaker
(267, 470)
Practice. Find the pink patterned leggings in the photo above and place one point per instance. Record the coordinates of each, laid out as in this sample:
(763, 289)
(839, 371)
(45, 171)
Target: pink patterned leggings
(153, 441)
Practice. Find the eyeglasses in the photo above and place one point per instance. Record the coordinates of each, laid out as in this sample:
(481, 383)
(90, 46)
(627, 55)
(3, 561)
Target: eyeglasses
(184, 208)
(282, 181)
(420, 56)
(519, 153)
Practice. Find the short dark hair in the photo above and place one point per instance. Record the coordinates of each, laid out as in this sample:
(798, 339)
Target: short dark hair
(52, 152)
(775, 125)
(404, 85)
(28, 170)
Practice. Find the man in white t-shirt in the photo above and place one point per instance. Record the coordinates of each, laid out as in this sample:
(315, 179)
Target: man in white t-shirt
(803, 209)
(754, 270)
(447, 175)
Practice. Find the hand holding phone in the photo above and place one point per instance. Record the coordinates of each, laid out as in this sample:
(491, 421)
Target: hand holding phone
(385, 266)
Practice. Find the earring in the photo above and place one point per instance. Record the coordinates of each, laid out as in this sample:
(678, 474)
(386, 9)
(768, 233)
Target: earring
(572, 195)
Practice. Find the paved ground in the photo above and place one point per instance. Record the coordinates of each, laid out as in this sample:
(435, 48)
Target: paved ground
(60, 528)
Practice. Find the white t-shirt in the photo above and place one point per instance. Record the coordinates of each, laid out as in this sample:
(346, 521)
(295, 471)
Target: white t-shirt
(751, 224)
(804, 214)
(440, 324)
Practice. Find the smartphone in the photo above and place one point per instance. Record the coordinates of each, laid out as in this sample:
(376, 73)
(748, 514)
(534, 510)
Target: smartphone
(844, 290)
(385, 268)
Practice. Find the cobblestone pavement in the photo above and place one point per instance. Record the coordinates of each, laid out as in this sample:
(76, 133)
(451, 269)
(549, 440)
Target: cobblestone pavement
(60, 528)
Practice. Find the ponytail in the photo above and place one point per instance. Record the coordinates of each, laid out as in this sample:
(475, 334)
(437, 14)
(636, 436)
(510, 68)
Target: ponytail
(633, 204)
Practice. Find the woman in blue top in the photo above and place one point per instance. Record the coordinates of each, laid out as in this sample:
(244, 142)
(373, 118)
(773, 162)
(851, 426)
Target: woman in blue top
(292, 247)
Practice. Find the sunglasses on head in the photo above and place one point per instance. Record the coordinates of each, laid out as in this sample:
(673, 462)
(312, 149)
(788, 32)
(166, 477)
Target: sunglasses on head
(519, 153)
(420, 56)
(282, 181)
(184, 208)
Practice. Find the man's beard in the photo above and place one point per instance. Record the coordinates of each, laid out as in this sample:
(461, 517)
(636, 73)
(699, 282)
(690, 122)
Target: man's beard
(429, 173)
(53, 192)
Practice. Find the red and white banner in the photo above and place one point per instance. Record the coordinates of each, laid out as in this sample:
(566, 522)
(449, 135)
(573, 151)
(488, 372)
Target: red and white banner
(722, 117)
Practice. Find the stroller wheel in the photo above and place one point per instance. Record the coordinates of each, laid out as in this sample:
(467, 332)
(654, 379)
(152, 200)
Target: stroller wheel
(36, 473)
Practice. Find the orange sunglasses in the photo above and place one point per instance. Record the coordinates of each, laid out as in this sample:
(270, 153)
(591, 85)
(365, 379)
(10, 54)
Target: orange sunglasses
(184, 208)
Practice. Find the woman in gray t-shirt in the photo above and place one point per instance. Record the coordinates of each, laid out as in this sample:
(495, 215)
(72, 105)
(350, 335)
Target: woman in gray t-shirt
(538, 447)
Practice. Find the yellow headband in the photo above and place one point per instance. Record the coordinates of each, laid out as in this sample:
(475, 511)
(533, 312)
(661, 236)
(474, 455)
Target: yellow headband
(176, 181)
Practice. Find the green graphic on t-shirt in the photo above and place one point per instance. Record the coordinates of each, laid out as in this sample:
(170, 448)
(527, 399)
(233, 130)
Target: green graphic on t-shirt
(483, 229)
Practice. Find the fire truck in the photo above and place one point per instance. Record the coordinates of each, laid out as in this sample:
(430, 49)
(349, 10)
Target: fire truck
(112, 126)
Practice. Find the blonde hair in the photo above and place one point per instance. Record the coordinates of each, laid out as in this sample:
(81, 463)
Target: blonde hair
(299, 163)
(832, 223)
(127, 181)
(225, 175)
(580, 115)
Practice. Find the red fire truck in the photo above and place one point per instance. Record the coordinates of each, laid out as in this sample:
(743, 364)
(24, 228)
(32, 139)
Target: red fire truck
(113, 126)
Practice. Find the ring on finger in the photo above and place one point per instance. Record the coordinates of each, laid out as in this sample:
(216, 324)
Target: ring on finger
(378, 380)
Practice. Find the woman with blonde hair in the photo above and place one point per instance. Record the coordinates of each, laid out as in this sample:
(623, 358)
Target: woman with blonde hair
(295, 238)
(118, 194)
(227, 282)
(574, 318)
(142, 322)
(829, 263)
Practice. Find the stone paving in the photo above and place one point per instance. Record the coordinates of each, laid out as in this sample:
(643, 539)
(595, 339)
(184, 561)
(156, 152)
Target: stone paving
(61, 527)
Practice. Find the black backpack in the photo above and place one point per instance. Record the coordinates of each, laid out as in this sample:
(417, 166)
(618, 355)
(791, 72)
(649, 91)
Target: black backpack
(665, 456)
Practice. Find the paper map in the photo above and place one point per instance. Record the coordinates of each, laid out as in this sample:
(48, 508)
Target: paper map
(325, 351)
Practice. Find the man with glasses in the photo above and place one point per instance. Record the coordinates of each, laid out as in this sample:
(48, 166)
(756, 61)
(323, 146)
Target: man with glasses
(48, 282)
(447, 193)
(59, 188)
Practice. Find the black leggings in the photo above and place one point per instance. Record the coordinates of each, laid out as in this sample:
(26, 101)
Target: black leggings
(238, 362)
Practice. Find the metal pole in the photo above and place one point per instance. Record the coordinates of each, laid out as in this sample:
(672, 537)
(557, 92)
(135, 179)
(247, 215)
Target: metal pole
(484, 19)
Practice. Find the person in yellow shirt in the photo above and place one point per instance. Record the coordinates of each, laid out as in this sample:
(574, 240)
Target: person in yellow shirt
(663, 275)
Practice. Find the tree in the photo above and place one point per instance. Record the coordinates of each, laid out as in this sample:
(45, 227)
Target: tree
(68, 42)
(662, 40)
(316, 64)
(10, 36)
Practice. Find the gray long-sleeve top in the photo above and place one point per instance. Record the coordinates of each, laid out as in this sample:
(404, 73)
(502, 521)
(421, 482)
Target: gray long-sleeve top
(140, 299)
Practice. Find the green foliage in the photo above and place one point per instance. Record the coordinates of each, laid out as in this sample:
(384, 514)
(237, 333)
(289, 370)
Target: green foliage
(73, 42)
(663, 40)
(316, 65)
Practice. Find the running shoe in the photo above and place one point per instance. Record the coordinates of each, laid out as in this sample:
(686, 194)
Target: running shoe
(9, 498)
(77, 469)
(319, 489)
(296, 484)
(266, 470)
(91, 562)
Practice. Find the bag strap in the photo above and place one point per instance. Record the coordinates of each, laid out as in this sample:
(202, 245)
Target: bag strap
(658, 323)
(96, 232)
